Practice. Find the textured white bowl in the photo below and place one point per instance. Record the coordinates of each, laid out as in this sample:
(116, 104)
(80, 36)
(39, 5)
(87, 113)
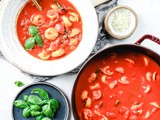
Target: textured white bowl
(15, 54)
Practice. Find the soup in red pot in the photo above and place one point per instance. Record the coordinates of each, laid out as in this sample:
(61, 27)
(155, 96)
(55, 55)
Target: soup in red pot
(119, 86)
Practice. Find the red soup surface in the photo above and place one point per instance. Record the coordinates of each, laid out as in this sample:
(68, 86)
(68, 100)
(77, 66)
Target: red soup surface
(119, 86)
(52, 33)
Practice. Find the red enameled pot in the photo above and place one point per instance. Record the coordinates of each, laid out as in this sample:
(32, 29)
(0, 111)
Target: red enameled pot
(123, 47)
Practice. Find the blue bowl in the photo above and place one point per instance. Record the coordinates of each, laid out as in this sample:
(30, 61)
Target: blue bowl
(62, 112)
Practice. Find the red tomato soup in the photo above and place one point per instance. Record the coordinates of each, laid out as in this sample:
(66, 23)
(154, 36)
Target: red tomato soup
(119, 86)
(52, 33)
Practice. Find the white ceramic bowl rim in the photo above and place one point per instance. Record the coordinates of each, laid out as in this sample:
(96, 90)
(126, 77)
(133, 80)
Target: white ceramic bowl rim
(15, 54)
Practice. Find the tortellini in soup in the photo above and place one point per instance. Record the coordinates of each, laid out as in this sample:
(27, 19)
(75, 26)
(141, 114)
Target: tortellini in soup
(52, 33)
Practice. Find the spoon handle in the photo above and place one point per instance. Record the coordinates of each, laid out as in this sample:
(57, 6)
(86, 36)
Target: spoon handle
(37, 5)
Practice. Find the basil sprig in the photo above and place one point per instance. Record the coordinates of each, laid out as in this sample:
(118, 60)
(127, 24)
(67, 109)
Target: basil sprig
(38, 105)
(34, 39)
(33, 30)
(38, 40)
(19, 83)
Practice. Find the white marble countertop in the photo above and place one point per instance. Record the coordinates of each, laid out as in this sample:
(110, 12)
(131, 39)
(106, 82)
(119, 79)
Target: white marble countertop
(148, 23)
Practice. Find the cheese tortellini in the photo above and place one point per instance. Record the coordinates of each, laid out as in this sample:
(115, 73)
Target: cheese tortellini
(73, 41)
(37, 19)
(74, 32)
(44, 55)
(52, 14)
(51, 33)
(58, 52)
(66, 21)
(55, 7)
(73, 17)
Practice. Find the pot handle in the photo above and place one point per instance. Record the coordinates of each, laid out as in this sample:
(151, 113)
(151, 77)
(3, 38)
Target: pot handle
(98, 2)
(148, 37)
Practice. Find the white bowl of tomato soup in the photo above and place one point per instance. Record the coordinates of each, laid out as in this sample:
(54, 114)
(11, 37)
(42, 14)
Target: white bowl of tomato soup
(50, 42)
(120, 82)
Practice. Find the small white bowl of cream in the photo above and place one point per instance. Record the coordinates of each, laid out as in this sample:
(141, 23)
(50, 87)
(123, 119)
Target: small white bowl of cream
(121, 21)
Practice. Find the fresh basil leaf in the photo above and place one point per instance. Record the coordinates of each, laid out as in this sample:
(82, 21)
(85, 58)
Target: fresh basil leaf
(34, 100)
(46, 101)
(25, 97)
(26, 112)
(33, 30)
(35, 113)
(47, 111)
(20, 104)
(42, 93)
(40, 117)
(54, 110)
(29, 43)
(38, 40)
(19, 83)
(35, 107)
(54, 103)
(46, 118)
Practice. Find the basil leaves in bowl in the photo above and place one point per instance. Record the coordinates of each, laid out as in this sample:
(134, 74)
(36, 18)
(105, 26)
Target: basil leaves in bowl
(40, 101)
